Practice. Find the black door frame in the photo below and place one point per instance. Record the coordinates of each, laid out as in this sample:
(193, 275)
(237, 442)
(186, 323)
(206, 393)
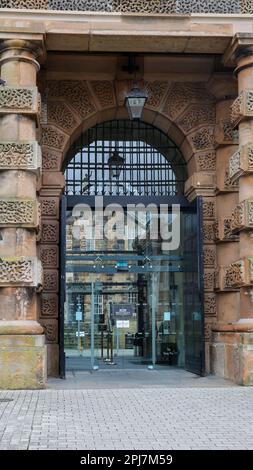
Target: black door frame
(68, 202)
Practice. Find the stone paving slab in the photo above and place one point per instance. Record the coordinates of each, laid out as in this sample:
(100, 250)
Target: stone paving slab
(148, 419)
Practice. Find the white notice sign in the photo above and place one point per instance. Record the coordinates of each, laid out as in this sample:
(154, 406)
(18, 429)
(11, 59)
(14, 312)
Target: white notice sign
(123, 323)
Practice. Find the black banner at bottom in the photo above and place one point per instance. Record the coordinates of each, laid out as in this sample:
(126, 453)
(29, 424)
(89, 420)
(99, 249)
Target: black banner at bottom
(139, 459)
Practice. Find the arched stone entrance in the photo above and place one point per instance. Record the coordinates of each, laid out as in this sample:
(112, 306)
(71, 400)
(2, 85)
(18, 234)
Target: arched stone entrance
(183, 111)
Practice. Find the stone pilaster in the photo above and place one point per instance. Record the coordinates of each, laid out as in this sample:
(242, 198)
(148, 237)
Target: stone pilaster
(52, 185)
(233, 336)
(22, 348)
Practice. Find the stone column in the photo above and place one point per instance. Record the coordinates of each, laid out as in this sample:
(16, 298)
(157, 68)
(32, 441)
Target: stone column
(236, 336)
(22, 342)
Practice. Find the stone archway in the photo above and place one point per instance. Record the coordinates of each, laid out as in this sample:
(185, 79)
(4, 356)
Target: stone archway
(186, 112)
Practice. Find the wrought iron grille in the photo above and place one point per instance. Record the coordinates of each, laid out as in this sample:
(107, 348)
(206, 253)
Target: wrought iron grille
(153, 165)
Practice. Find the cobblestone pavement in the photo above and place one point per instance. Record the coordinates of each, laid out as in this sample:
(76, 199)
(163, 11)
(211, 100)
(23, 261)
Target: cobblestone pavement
(149, 418)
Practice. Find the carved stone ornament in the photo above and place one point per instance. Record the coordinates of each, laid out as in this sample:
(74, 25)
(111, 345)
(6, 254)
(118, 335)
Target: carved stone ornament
(50, 232)
(229, 184)
(242, 107)
(49, 256)
(224, 278)
(242, 216)
(225, 134)
(240, 273)
(206, 160)
(20, 156)
(49, 306)
(132, 6)
(208, 210)
(50, 160)
(209, 257)
(241, 162)
(17, 212)
(210, 305)
(223, 230)
(51, 330)
(20, 271)
(19, 100)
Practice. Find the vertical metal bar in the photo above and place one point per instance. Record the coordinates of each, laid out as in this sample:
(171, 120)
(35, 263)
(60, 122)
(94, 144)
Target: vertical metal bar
(62, 285)
(153, 319)
(92, 327)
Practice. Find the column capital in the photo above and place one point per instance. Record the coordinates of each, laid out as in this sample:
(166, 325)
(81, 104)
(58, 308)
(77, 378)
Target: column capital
(240, 51)
(22, 49)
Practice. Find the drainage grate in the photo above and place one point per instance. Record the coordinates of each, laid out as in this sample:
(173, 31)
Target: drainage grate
(5, 400)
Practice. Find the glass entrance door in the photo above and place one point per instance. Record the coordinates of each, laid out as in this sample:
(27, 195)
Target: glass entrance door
(132, 303)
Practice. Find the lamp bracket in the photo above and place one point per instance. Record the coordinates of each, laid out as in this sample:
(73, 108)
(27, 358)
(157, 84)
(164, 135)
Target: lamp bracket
(131, 67)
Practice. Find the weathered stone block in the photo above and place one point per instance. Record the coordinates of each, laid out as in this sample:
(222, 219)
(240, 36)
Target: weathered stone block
(241, 162)
(224, 279)
(201, 183)
(53, 360)
(22, 362)
(242, 216)
(19, 100)
(20, 271)
(242, 107)
(20, 156)
(232, 356)
(18, 212)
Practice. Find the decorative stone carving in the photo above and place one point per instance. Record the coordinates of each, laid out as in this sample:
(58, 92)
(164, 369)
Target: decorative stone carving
(20, 156)
(210, 305)
(242, 217)
(50, 160)
(209, 257)
(181, 95)
(209, 278)
(18, 212)
(197, 115)
(242, 107)
(50, 232)
(224, 279)
(234, 274)
(29, 4)
(144, 6)
(225, 134)
(104, 93)
(241, 162)
(49, 256)
(246, 6)
(20, 271)
(61, 116)
(156, 92)
(206, 160)
(19, 100)
(131, 6)
(203, 138)
(49, 306)
(49, 207)
(208, 6)
(208, 210)
(223, 230)
(76, 93)
(50, 280)
(53, 137)
(208, 232)
(240, 273)
(51, 330)
(82, 5)
(208, 330)
(229, 184)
